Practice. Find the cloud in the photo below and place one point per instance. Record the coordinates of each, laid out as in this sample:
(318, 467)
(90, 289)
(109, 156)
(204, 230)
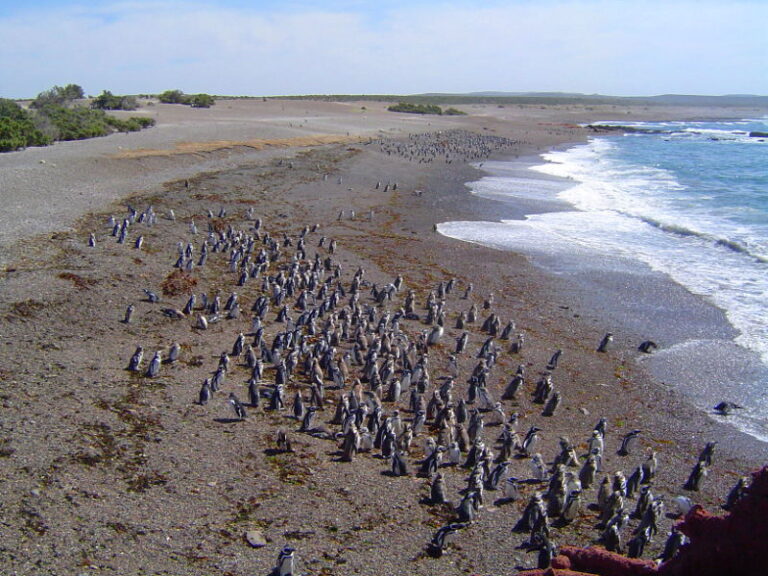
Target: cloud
(580, 45)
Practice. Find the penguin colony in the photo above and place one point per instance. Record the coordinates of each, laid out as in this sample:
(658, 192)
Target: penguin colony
(406, 377)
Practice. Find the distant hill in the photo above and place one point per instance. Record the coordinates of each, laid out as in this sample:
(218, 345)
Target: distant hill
(533, 98)
(663, 99)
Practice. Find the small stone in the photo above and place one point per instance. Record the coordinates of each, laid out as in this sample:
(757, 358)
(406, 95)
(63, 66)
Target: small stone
(255, 538)
(584, 411)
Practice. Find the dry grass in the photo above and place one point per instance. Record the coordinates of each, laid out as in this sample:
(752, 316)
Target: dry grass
(217, 145)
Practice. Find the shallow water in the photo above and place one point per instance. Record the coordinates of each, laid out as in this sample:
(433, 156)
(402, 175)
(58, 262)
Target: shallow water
(623, 214)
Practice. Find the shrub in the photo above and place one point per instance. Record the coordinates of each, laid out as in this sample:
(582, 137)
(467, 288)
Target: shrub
(178, 97)
(454, 112)
(57, 96)
(173, 97)
(202, 101)
(415, 108)
(53, 119)
(108, 101)
(17, 130)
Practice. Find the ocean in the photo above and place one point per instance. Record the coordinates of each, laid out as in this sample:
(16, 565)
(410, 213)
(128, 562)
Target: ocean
(684, 200)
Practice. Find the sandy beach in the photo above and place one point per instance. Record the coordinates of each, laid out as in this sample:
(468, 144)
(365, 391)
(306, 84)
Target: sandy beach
(109, 471)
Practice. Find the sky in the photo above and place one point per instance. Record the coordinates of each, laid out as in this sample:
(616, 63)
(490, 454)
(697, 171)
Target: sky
(267, 48)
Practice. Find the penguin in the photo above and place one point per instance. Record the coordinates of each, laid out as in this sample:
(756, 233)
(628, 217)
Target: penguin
(461, 343)
(254, 393)
(699, 472)
(643, 501)
(647, 346)
(552, 403)
(154, 365)
(627, 442)
(530, 441)
(538, 468)
(350, 445)
(633, 482)
(612, 539)
(173, 354)
(467, 509)
(510, 392)
(607, 339)
(601, 426)
(649, 468)
(552, 364)
(675, 540)
(129, 314)
(399, 465)
(285, 562)
(437, 491)
(282, 442)
(205, 393)
(707, 453)
(496, 475)
(135, 363)
(596, 443)
(725, 408)
(437, 545)
(434, 335)
(511, 489)
(736, 493)
(534, 511)
(298, 406)
(547, 551)
(308, 420)
(572, 507)
(237, 407)
(152, 297)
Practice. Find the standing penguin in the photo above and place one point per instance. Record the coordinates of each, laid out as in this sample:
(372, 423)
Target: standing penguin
(237, 406)
(135, 362)
(285, 562)
(154, 366)
(607, 339)
(437, 490)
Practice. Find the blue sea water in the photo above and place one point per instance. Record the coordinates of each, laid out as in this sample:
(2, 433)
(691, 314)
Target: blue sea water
(687, 199)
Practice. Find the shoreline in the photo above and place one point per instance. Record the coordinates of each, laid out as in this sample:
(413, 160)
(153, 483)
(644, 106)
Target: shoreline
(628, 295)
(112, 459)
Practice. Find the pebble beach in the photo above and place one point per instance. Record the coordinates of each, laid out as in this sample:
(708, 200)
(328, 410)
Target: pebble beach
(107, 470)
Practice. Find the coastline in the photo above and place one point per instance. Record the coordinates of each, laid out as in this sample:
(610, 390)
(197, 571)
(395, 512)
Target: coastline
(343, 517)
(696, 337)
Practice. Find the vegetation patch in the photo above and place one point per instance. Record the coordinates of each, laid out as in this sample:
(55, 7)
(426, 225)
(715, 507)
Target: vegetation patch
(5, 450)
(54, 115)
(143, 482)
(416, 108)
(177, 283)
(26, 308)
(194, 100)
(79, 282)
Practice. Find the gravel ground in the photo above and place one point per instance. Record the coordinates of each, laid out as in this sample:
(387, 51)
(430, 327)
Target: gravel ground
(104, 470)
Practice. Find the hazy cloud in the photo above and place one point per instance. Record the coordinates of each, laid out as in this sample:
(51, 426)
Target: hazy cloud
(588, 46)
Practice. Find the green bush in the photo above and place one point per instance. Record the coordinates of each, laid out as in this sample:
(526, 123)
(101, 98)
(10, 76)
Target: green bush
(108, 101)
(17, 130)
(194, 100)
(415, 108)
(57, 96)
(53, 119)
(133, 124)
(454, 112)
(202, 101)
(173, 97)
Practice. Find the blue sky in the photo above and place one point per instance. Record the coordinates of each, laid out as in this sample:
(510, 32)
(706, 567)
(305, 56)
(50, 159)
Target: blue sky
(240, 47)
